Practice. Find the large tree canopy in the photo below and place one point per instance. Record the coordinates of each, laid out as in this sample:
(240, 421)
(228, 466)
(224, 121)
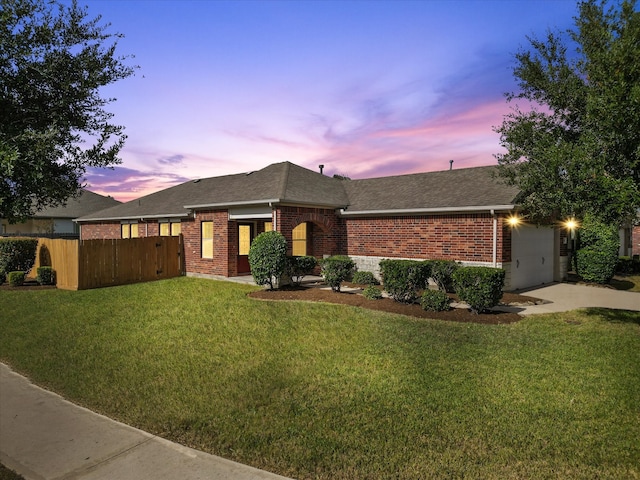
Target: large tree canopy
(53, 62)
(574, 146)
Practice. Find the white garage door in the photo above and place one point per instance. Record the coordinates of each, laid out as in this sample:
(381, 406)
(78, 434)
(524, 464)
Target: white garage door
(531, 256)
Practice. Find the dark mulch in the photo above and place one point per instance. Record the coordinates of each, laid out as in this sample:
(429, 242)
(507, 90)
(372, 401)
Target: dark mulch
(315, 294)
(28, 285)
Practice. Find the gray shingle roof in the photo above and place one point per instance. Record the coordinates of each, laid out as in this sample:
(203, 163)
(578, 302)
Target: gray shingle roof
(286, 183)
(85, 204)
(463, 188)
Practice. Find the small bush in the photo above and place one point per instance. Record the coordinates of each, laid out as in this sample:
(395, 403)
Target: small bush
(403, 278)
(435, 301)
(365, 278)
(442, 274)
(624, 265)
(298, 267)
(372, 293)
(268, 258)
(16, 279)
(17, 255)
(595, 265)
(479, 287)
(46, 276)
(336, 270)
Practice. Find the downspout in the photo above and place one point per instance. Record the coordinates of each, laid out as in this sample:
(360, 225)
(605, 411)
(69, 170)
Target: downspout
(495, 238)
(275, 217)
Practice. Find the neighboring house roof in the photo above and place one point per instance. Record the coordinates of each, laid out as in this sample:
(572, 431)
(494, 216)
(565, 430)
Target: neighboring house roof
(84, 204)
(286, 183)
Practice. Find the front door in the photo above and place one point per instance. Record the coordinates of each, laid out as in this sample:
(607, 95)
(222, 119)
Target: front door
(245, 235)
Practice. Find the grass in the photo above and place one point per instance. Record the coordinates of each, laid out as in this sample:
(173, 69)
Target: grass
(327, 391)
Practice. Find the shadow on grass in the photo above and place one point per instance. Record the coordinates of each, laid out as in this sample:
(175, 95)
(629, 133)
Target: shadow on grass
(622, 284)
(613, 315)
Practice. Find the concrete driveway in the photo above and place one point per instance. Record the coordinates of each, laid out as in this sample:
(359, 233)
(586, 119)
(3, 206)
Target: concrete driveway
(562, 297)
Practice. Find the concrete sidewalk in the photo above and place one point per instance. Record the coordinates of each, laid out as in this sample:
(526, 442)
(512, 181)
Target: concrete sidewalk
(562, 297)
(43, 436)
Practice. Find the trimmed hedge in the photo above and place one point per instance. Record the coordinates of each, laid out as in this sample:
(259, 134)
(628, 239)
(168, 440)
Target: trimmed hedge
(298, 267)
(16, 279)
(268, 258)
(479, 287)
(17, 255)
(365, 278)
(627, 265)
(403, 278)
(435, 301)
(597, 258)
(336, 270)
(595, 265)
(442, 274)
(46, 276)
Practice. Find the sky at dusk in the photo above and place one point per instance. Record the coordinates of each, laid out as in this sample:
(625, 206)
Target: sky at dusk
(366, 88)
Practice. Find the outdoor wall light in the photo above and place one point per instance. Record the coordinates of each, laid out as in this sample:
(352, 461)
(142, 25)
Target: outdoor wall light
(514, 220)
(571, 224)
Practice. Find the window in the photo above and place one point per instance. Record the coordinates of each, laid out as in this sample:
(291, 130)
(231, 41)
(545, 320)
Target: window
(164, 229)
(169, 228)
(268, 226)
(207, 239)
(244, 240)
(299, 240)
(129, 230)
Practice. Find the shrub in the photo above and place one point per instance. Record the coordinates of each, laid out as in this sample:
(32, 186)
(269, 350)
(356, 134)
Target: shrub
(16, 278)
(268, 258)
(403, 278)
(372, 293)
(624, 265)
(479, 287)
(597, 257)
(435, 301)
(46, 276)
(595, 265)
(298, 267)
(336, 270)
(442, 273)
(17, 254)
(365, 278)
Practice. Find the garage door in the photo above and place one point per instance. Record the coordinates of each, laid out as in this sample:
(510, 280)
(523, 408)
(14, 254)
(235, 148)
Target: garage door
(531, 256)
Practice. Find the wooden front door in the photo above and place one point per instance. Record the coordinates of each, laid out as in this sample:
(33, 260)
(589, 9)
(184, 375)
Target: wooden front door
(245, 235)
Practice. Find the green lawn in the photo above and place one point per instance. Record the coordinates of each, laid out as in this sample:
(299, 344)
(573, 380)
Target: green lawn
(327, 391)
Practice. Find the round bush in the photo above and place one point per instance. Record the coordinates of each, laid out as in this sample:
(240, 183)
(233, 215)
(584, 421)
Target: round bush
(298, 267)
(268, 258)
(435, 301)
(442, 274)
(403, 278)
(365, 278)
(595, 265)
(17, 254)
(372, 293)
(336, 270)
(479, 287)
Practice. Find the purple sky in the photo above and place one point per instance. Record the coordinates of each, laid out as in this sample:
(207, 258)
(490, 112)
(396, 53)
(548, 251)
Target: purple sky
(367, 88)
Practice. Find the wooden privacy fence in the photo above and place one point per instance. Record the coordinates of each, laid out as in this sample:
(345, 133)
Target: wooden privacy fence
(83, 264)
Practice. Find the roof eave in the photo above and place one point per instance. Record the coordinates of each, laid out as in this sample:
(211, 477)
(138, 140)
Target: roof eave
(132, 217)
(267, 201)
(436, 210)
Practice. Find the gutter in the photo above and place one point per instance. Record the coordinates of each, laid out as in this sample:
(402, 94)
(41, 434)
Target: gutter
(268, 201)
(412, 211)
(132, 217)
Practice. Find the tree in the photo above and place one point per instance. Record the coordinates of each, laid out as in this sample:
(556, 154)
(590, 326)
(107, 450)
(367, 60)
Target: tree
(576, 149)
(268, 258)
(53, 61)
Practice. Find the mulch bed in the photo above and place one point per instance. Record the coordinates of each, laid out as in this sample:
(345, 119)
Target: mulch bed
(315, 294)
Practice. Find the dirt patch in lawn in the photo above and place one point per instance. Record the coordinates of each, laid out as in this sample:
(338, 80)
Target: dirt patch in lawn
(354, 298)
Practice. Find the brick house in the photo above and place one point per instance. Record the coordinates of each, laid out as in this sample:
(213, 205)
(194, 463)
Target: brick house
(455, 214)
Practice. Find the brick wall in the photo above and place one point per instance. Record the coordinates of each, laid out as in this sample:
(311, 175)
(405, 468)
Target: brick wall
(222, 263)
(635, 240)
(464, 237)
(326, 232)
(92, 231)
